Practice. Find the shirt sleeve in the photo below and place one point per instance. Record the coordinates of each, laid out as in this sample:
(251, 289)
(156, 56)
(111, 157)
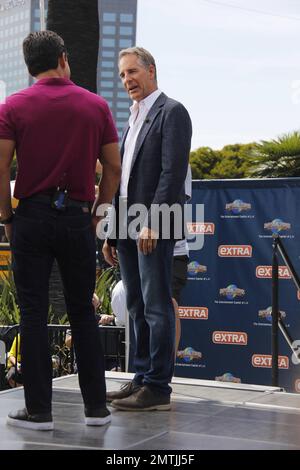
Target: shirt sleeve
(7, 128)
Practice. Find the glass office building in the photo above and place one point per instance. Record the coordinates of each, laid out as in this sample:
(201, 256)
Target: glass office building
(117, 20)
(17, 19)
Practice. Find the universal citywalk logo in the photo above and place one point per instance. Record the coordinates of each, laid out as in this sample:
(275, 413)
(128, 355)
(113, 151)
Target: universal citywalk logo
(237, 210)
(276, 227)
(197, 272)
(189, 357)
(166, 222)
(232, 292)
(265, 317)
(228, 377)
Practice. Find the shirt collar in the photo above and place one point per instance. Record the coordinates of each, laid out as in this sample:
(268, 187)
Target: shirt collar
(54, 81)
(147, 102)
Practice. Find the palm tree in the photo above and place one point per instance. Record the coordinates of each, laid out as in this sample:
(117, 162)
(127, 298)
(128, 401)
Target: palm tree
(277, 158)
(78, 24)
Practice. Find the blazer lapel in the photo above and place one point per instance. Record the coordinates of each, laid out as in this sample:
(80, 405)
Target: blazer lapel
(122, 146)
(151, 116)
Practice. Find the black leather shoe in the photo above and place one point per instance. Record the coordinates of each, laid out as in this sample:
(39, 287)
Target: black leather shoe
(37, 421)
(125, 391)
(97, 416)
(144, 399)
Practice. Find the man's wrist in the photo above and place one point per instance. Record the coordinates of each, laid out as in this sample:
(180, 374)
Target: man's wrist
(8, 220)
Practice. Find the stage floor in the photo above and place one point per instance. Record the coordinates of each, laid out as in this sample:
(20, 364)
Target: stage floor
(204, 415)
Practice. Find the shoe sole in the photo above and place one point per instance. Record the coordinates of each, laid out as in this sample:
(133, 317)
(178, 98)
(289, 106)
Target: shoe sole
(18, 423)
(149, 408)
(98, 421)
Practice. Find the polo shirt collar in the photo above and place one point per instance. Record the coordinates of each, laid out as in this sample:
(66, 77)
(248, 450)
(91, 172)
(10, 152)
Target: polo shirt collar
(54, 81)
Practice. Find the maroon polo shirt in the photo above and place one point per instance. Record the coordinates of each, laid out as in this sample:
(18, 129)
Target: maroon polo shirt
(59, 129)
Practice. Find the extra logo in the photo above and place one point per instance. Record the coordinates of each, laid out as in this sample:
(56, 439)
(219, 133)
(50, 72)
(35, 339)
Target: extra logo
(232, 291)
(189, 355)
(265, 272)
(193, 313)
(266, 314)
(276, 226)
(235, 251)
(228, 377)
(238, 206)
(230, 337)
(195, 268)
(201, 228)
(265, 361)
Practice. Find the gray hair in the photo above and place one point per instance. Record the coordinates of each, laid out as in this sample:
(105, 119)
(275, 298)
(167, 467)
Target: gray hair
(144, 56)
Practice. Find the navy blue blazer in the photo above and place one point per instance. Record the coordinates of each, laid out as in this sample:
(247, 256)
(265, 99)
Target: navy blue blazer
(160, 159)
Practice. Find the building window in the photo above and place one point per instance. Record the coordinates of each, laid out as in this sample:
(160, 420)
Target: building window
(122, 94)
(109, 30)
(122, 104)
(107, 74)
(122, 115)
(106, 84)
(125, 43)
(107, 64)
(109, 17)
(107, 94)
(108, 53)
(108, 42)
(126, 18)
(126, 31)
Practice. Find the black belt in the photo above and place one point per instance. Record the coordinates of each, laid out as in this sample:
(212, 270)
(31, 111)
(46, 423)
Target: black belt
(47, 199)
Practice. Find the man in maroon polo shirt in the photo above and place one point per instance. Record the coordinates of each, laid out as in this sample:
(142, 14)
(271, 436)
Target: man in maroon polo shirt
(58, 131)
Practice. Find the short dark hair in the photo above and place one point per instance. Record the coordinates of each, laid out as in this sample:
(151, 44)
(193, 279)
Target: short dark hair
(42, 50)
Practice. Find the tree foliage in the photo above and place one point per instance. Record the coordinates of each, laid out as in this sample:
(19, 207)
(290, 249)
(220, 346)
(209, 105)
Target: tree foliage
(278, 158)
(233, 161)
(78, 24)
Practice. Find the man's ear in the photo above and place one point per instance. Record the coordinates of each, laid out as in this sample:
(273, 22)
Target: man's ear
(62, 60)
(152, 71)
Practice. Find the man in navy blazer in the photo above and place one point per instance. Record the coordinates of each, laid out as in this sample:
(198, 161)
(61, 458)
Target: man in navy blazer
(155, 153)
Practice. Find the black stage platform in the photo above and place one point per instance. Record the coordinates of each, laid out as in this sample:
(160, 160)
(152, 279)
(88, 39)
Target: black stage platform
(204, 415)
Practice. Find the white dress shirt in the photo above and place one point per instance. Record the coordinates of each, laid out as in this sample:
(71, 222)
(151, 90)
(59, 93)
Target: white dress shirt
(139, 111)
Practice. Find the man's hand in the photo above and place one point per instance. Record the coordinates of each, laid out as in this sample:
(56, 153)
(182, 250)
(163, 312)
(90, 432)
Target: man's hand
(110, 254)
(147, 241)
(106, 320)
(8, 231)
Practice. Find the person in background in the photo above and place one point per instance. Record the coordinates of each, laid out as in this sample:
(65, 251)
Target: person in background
(14, 374)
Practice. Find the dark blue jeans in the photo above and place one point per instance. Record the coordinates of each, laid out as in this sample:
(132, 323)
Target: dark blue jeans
(147, 282)
(41, 234)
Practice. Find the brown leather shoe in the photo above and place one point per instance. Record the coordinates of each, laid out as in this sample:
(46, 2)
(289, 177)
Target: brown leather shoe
(125, 391)
(144, 399)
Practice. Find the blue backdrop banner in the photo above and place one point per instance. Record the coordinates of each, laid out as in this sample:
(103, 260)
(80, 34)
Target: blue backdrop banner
(226, 306)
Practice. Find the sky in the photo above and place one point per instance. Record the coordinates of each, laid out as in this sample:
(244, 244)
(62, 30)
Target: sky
(234, 64)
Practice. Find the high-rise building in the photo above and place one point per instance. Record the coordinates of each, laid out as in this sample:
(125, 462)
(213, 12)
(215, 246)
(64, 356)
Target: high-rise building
(117, 20)
(17, 19)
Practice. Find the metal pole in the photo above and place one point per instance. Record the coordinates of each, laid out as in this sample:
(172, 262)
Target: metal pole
(42, 15)
(275, 314)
